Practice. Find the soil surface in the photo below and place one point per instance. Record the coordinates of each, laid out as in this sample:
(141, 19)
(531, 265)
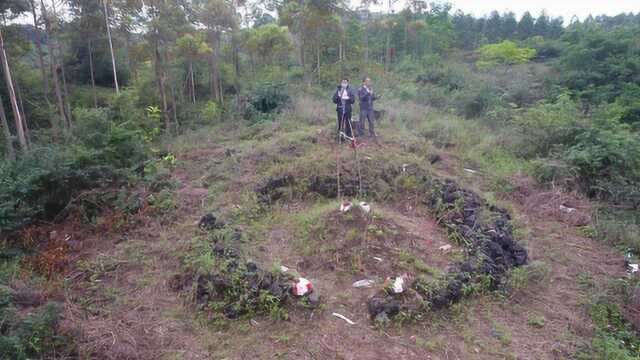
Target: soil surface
(121, 305)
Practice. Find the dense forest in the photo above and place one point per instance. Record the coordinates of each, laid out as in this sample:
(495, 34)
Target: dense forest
(94, 94)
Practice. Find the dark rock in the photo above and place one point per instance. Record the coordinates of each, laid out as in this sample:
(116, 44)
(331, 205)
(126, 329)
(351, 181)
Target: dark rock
(382, 318)
(466, 231)
(434, 158)
(202, 289)
(221, 283)
(266, 281)
(383, 304)
(218, 250)
(270, 192)
(449, 197)
(224, 252)
(314, 298)
(236, 236)
(232, 265)
(209, 222)
(252, 267)
(231, 312)
(276, 289)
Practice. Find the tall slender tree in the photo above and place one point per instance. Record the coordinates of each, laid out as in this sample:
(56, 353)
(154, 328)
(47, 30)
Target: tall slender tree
(113, 57)
(17, 116)
(38, 43)
(66, 95)
(11, 154)
(54, 74)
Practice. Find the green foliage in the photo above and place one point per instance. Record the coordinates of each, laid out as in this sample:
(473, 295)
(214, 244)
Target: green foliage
(619, 228)
(605, 151)
(545, 127)
(269, 42)
(103, 141)
(107, 144)
(210, 111)
(598, 62)
(28, 336)
(193, 45)
(615, 338)
(534, 274)
(25, 335)
(504, 53)
(265, 99)
(536, 321)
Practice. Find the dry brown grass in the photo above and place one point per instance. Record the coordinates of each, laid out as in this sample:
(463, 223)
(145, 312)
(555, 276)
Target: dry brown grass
(568, 207)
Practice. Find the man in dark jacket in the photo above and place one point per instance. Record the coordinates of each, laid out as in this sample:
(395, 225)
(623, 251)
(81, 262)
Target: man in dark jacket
(344, 97)
(367, 97)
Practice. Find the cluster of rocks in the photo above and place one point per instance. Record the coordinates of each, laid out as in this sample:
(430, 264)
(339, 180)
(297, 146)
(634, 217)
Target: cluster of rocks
(326, 186)
(271, 190)
(239, 285)
(489, 245)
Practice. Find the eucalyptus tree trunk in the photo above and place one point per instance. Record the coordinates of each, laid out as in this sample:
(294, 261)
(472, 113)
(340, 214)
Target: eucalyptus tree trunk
(113, 58)
(25, 125)
(236, 54)
(160, 82)
(66, 95)
(54, 73)
(91, 72)
(366, 43)
(11, 153)
(214, 71)
(45, 78)
(17, 117)
(192, 82)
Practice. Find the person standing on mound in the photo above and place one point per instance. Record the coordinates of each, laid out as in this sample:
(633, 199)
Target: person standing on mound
(344, 98)
(367, 97)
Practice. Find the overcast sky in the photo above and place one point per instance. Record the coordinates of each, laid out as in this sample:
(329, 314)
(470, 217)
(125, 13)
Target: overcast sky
(565, 8)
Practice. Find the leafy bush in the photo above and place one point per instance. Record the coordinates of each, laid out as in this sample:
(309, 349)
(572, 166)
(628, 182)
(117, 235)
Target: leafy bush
(446, 76)
(106, 144)
(102, 141)
(605, 151)
(24, 335)
(30, 336)
(597, 62)
(547, 126)
(504, 53)
(266, 99)
(210, 111)
(473, 103)
(615, 339)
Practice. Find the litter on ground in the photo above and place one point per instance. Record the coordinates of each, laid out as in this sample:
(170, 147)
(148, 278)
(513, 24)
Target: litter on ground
(344, 318)
(365, 207)
(345, 206)
(302, 287)
(566, 209)
(363, 283)
(398, 285)
(445, 248)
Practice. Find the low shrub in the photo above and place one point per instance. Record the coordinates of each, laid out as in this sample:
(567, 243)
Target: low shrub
(106, 145)
(268, 98)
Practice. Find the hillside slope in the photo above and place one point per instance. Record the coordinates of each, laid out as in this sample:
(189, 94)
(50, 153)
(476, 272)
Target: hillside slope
(128, 301)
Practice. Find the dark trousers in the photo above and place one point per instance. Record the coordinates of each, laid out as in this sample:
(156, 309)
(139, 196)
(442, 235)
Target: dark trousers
(369, 116)
(344, 122)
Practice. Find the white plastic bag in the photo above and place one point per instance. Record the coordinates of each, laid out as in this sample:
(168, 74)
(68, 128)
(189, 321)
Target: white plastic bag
(302, 287)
